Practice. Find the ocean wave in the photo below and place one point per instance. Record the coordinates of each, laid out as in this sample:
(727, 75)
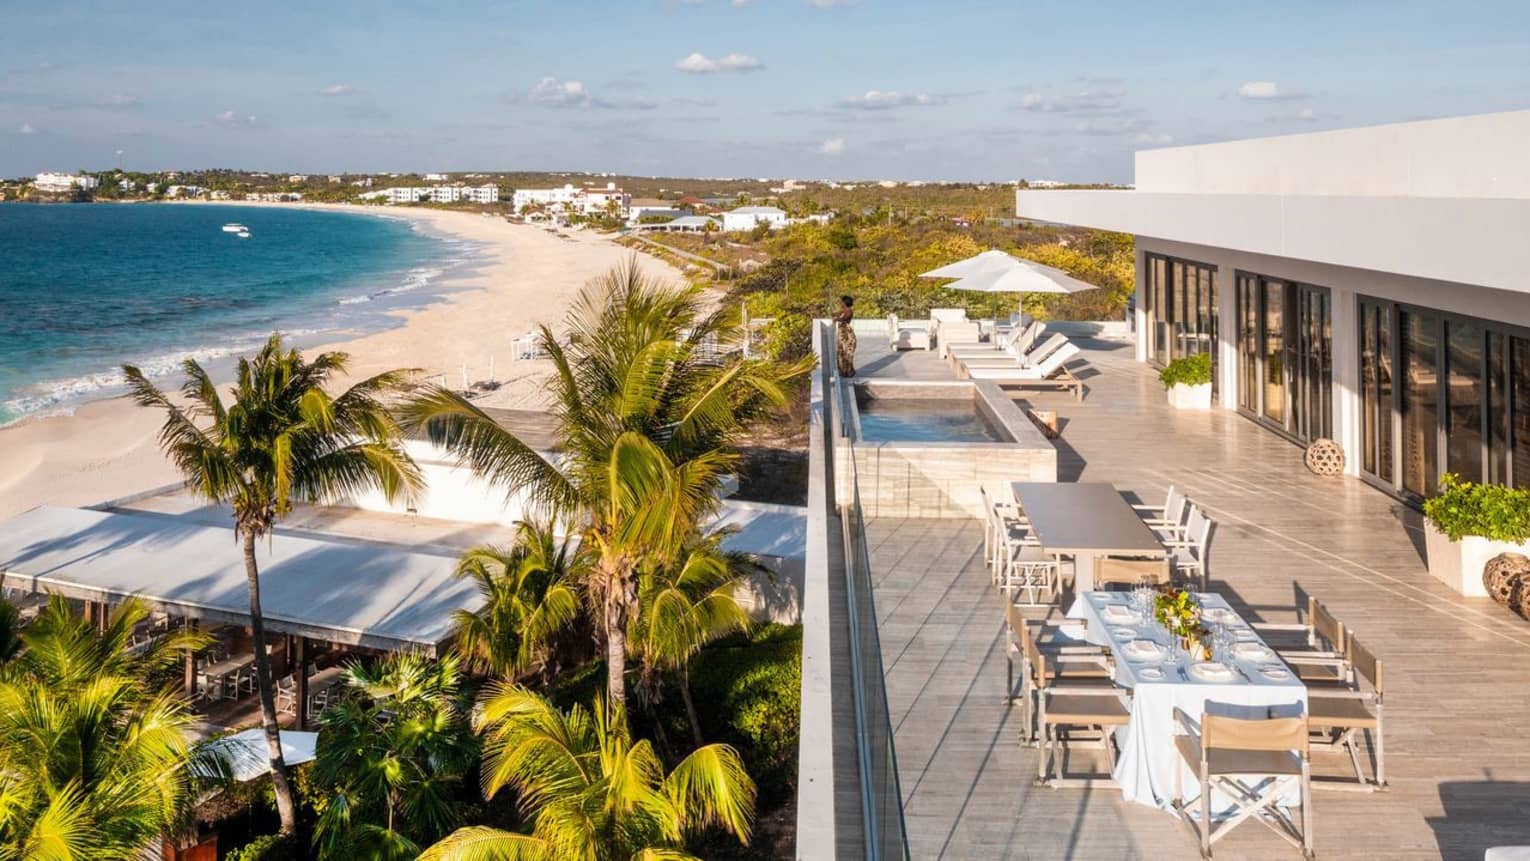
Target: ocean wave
(413, 280)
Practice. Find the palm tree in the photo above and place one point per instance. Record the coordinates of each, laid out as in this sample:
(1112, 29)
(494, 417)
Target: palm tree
(10, 631)
(394, 751)
(94, 757)
(530, 593)
(283, 438)
(685, 607)
(591, 791)
(645, 419)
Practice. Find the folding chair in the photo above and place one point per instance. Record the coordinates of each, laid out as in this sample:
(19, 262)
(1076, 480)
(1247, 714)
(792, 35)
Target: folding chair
(1320, 655)
(1112, 572)
(1061, 707)
(1253, 763)
(1340, 716)
(1076, 662)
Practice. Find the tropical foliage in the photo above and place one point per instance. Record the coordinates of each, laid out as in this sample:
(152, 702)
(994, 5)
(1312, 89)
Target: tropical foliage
(1493, 511)
(685, 606)
(645, 413)
(392, 755)
(593, 792)
(530, 595)
(283, 439)
(94, 757)
(1187, 371)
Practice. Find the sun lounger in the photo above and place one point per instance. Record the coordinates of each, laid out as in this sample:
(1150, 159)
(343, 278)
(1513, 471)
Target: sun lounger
(1051, 373)
(1015, 342)
(1026, 360)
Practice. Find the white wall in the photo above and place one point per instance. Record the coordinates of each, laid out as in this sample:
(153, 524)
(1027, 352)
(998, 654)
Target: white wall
(1478, 156)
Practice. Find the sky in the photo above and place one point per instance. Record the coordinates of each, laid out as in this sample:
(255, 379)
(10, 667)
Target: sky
(867, 89)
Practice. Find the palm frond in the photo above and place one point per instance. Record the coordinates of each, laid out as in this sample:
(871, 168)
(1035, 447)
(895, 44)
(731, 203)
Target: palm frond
(712, 787)
(482, 843)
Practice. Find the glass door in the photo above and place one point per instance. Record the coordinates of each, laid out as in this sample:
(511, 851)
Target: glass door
(1376, 391)
(1248, 343)
(1272, 327)
(1420, 402)
(1285, 355)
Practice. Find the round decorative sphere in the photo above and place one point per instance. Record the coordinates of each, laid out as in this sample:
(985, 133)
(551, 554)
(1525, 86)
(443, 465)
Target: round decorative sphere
(1504, 577)
(1325, 457)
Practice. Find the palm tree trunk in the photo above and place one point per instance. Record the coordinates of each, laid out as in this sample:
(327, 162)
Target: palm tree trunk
(621, 599)
(690, 704)
(284, 803)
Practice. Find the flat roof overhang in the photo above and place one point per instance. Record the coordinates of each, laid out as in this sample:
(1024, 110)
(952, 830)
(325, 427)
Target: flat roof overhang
(344, 591)
(1479, 241)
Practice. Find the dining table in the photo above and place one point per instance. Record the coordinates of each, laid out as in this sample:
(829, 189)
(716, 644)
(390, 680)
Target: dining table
(214, 677)
(1249, 680)
(1085, 520)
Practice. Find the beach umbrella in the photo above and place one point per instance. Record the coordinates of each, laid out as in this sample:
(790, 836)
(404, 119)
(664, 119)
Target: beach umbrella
(998, 272)
(246, 757)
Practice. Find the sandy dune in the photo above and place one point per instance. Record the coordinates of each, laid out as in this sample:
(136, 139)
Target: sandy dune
(526, 276)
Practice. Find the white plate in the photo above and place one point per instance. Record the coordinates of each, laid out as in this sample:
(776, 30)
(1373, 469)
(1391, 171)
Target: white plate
(1117, 614)
(1123, 633)
(1219, 614)
(1275, 674)
(1253, 651)
(1150, 674)
(1211, 671)
(1142, 650)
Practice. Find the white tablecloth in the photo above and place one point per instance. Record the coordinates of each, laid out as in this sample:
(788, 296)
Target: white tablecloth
(1149, 758)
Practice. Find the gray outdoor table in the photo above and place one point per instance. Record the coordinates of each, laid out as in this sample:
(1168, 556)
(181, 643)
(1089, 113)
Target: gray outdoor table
(1085, 520)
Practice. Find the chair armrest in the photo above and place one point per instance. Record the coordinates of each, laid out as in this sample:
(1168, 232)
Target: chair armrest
(1347, 694)
(1314, 659)
(1278, 626)
(1187, 726)
(1158, 508)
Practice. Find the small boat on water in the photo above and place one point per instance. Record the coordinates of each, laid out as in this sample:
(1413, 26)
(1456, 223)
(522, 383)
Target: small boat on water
(243, 234)
(235, 227)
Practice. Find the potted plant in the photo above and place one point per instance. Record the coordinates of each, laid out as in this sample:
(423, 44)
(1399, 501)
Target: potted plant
(1188, 381)
(1466, 524)
(1179, 611)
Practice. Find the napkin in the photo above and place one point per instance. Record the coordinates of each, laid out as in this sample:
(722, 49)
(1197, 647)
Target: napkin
(1119, 613)
(1212, 671)
(1143, 649)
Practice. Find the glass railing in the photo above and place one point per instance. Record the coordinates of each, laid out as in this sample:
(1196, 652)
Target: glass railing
(881, 795)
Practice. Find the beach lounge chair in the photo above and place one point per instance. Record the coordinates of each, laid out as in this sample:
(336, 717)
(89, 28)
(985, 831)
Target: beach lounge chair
(951, 326)
(1029, 359)
(907, 334)
(1051, 373)
(1014, 343)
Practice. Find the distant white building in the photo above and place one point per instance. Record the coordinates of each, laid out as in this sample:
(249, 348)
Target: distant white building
(606, 201)
(547, 198)
(486, 193)
(1045, 183)
(297, 178)
(585, 201)
(436, 177)
(748, 217)
(217, 195)
(62, 183)
(686, 224)
(185, 191)
(274, 196)
(639, 209)
(126, 185)
(335, 180)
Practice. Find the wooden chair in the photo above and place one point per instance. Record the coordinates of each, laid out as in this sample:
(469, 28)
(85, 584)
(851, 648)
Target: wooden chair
(1252, 762)
(1316, 648)
(1340, 716)
(1111, 572)
(1075, 662)
(1094, 705)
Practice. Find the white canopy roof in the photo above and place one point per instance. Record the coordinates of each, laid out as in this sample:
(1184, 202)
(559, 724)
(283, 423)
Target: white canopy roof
(246, 755)
(997, 272)
(361, 593)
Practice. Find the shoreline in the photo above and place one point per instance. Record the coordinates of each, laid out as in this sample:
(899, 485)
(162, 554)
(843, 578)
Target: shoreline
(519, 276)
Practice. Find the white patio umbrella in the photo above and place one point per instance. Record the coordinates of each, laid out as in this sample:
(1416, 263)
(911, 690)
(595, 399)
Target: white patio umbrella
(998, 272)
(246, 757)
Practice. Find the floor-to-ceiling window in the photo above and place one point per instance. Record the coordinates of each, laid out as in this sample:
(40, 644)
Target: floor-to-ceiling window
(1181, 309)
(1285, 355)
(1460, 402)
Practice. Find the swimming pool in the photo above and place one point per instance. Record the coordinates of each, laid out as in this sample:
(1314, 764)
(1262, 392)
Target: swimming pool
(924, 420)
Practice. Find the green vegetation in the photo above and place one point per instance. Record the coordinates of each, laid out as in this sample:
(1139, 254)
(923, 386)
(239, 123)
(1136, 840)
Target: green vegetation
(283, 438)
(530, 594)
(592, 791)
(94, 761)
(393, 755)
(268, 847)
(750, 691)
(1493, 511)
(879, 263)
(1187, 371)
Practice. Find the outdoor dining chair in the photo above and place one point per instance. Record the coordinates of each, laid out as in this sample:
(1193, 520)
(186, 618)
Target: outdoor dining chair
(286, 694)
(1002, 522)
(1320, 655)
(1341, 716)
(1061, 707)
(1254, 763)
(1168, 519)
(1187, 553)
(1113, 573)
(1076, 662)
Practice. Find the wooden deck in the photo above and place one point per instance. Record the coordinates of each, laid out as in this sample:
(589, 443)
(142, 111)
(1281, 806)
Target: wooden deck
(1458, 670)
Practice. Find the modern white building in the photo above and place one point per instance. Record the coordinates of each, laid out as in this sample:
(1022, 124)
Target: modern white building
(548, 198)
(436, 177)
(486, 193)
(1366, 285)
(605, 201)
(748, 217)
(686, 224)
(62, 183)
(571, 199)
(641, 208)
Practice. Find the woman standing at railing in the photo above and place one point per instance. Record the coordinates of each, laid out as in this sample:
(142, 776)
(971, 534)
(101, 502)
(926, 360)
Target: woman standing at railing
(846, 343)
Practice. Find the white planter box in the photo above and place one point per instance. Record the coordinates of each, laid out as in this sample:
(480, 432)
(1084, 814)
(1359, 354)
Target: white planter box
(1459, 564)
(1183, 397)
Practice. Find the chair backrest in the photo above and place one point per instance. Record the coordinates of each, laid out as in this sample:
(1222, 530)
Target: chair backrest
(1365, 663)
(1267, 733)
(892, 323)
(1327, 627)
(1198, 529)
(1130, 572)
(1174, 506)
(1020, 629)
(1049, 367)
(1025, 336)
(990, 513)
(1045, 348)
(955, 315)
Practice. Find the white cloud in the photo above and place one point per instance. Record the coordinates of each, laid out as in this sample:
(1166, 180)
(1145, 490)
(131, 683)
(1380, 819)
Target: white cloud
(229, 118)
(700, 64)
(880, 100)
(1306, 115)
(1267, 91)
(26, 129)
(553, 93)
(832, 146)
(226, 116)
(1149, 139)
(1098, 101)
(830, 4)
(335, 90)
(1116, 126)
(120, 100)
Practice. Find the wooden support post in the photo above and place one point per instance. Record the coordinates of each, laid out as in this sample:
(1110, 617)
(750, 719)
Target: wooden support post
(300, 671)
(191, 664)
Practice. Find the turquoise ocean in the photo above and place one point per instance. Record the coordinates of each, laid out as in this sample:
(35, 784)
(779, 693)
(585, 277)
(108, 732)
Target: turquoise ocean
(85, 288)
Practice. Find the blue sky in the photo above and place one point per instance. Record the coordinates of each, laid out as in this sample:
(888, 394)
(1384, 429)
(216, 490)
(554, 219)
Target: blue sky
(958, 89)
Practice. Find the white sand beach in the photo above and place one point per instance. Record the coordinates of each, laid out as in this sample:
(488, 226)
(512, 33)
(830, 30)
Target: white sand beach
(526, 276)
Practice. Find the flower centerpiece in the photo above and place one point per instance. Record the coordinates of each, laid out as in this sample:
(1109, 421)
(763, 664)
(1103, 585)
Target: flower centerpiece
(1179, 611)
